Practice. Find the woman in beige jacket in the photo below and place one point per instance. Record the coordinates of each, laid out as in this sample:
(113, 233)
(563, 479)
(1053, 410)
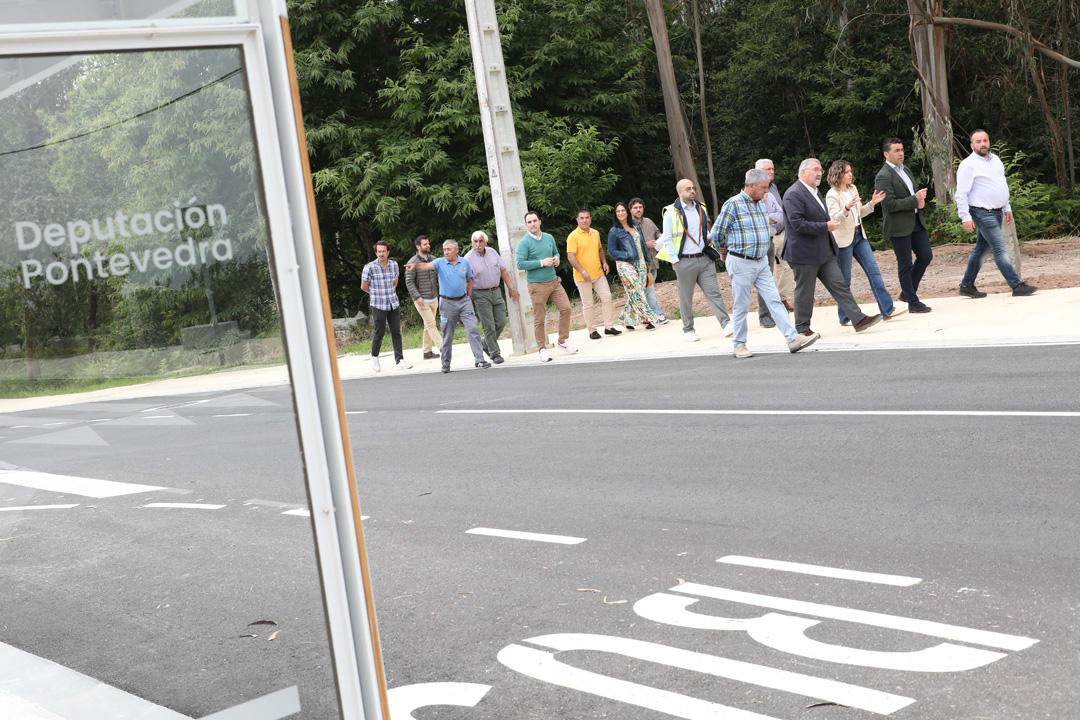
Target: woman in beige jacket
(845, 205)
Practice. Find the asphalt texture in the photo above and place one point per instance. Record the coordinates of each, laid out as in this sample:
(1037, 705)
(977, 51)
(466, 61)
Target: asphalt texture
(981, 508)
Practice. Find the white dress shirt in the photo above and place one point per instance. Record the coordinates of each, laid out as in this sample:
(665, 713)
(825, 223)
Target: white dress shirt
(980, 182)
(814, 192)
(693, 242)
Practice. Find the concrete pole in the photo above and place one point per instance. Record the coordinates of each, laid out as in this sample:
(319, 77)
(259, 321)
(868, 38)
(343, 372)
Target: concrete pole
(503, 160)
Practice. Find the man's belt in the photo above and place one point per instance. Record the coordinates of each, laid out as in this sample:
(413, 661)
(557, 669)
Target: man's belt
(973, 207)
(486, 289)
(740, 255)
(690, 255)
(447, 297)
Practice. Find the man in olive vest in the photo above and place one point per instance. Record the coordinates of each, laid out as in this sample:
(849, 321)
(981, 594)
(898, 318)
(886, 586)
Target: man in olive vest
(684, 243)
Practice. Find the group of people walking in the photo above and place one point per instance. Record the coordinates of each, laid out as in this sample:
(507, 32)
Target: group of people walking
(780, 245)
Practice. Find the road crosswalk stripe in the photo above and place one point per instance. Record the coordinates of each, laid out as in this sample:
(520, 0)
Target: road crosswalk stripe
(71, 485)
(518, 535)
(38, 507)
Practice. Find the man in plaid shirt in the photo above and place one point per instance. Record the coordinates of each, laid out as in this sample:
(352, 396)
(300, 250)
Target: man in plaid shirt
(741, 231)
(380, 279)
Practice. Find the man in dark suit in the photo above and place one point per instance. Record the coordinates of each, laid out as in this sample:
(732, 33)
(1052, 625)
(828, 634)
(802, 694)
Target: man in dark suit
(810, 249)
(903, 225)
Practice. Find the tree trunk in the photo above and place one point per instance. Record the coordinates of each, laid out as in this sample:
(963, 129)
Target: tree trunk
(681, 156)
(928, 41)
(701, 91)
(1063, 24)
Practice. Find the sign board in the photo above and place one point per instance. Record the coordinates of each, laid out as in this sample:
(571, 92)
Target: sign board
(156, 227)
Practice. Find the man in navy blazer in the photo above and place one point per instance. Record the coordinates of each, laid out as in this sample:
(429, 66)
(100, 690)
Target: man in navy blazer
(810, 249)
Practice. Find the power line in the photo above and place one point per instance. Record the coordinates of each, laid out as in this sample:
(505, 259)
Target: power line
(210, 84)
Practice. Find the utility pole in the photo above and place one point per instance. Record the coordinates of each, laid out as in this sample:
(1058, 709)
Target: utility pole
(503, 160)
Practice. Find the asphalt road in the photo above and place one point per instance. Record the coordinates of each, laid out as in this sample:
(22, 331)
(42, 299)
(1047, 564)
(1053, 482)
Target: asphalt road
(971, 516)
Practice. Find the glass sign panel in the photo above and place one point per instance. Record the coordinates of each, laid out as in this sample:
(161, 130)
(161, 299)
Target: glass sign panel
(156, 550)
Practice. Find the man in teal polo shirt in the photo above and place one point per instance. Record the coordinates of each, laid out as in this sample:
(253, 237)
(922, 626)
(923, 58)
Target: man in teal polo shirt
(455, 291)
(538, 256)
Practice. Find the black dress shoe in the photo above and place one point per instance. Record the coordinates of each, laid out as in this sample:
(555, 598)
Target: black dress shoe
(971, 291)
(629, 328)
(445, 369)
(649, 326)
(498, 360)
(901, 298)
(917, 308)
(613, 332)
(867, 322)
(594, 335)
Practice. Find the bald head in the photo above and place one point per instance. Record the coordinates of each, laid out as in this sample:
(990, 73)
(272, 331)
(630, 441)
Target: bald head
(686, 191)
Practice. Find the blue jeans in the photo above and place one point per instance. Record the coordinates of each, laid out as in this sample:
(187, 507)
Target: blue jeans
(747, 274)
(988, 238)
(864, 254)
(650, 295)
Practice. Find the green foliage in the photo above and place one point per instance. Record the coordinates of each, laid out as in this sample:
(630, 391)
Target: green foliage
(564, 169)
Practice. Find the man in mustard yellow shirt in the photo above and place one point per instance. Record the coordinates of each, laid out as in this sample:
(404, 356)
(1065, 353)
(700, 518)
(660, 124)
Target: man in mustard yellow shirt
(586, 254)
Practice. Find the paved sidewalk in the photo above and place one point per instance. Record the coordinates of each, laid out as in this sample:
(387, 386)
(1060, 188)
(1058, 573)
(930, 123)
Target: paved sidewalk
(1049, 316)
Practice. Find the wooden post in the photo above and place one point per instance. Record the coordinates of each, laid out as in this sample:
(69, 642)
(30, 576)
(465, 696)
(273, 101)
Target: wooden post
(681, 156)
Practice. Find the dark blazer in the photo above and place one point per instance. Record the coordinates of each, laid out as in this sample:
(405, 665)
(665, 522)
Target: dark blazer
(899, 204)
(806, 223)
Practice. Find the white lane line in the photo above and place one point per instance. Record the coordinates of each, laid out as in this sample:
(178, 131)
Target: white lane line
(232, 415)
(185, 506)
(38, 507)
(517, 535)
(70, 485)
(821, 570)
(355, 412)
(302, 512)
(159, 417)
(863, 617)
(902, 413)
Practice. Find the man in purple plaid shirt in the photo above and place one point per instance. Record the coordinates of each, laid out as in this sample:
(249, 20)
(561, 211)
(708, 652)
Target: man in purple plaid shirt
(380, 279)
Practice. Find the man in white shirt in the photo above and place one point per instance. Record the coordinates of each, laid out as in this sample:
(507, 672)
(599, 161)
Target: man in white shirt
(982, 201)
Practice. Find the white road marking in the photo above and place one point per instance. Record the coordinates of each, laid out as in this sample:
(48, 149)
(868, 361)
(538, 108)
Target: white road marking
(57, 692)
(275, 706)
(517, 535)
(821, 570)
(856, 413)
(403, 700)
(864, 617)
(232, 415)
(185, 506)
(543, 666)
(355, 412)
(38, 507)
(787, 633)
(70, 485)
(302, 512)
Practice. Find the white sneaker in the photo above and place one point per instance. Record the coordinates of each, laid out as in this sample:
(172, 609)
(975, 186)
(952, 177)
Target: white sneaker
(567, 348)
(404, 364)
(375, 363)
(729, 329)
(544, 355)
(741, 352)
(691, 336)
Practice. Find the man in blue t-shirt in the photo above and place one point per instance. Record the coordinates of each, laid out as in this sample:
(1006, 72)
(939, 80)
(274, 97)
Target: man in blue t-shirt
(455, 295)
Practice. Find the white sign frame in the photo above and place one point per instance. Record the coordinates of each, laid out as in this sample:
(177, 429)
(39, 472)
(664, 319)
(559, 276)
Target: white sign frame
(305, 327)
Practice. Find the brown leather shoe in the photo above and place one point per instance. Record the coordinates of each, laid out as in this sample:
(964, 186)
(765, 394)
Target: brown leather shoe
(867, 322)
(807, 332)
(788, 305)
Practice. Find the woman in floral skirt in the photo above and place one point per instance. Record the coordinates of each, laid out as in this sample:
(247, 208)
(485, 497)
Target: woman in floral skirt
(627, 246)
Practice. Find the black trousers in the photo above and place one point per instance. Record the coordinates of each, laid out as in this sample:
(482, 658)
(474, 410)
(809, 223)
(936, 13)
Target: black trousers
(806, 277)
(911, 274)
(382, 318)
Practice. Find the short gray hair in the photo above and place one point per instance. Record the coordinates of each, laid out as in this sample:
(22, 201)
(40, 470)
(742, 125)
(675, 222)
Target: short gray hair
(760, 164)
(451, 242)
(807, 163)
(753, 177)
(478, 235)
